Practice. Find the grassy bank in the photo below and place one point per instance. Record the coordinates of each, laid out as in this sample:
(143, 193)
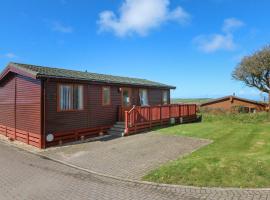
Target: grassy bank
(238, 157)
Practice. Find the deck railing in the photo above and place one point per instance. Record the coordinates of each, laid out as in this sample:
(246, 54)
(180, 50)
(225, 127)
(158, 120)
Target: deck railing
(141, 118)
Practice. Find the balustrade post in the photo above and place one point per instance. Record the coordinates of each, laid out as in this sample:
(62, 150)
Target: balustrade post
(126, 122)
(150, 116)
(161, 115)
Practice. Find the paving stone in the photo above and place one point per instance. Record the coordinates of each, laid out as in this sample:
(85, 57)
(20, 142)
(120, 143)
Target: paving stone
(129, 157)
(25, 176)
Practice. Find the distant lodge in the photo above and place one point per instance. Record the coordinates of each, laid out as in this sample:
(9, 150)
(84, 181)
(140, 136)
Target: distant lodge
(234, 104)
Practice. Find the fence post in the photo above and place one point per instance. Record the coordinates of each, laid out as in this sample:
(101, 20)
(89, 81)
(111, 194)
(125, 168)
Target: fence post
(126, 122)
(161, 115)
(150, 117)
(179, 112)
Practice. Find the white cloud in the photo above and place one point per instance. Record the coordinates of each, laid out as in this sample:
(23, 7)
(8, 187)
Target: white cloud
(9, 55)
(140, 16)
(212, 43)
(219, 41)
(232, 24)
(59, 27)
(180, 15)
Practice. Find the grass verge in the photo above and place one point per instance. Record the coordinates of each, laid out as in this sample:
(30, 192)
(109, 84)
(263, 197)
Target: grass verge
(238, 157)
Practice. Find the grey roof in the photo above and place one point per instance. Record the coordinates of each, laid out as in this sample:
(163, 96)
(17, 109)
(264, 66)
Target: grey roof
(41, 71)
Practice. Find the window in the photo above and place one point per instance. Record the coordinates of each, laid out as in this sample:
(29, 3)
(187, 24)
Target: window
(77, 97)
(243, 109)
(165, 97)
(253, 110)
(143, 97)
(106, 96)
(70, 97)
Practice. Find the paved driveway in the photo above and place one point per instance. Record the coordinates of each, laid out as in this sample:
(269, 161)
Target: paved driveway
(129, 157)
(25, 176)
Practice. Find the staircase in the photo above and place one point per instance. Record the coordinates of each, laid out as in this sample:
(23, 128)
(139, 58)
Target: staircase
(118, 129)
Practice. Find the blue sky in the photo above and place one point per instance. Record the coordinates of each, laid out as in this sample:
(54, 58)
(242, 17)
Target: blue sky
(192, 44)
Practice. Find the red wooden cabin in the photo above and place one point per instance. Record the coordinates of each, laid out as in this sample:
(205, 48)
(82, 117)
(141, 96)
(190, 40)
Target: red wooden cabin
(45, 106)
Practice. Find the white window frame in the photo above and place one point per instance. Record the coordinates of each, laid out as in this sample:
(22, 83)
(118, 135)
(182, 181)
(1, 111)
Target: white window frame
(66, 97)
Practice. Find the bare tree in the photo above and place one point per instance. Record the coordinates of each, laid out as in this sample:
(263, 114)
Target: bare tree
(254, 70)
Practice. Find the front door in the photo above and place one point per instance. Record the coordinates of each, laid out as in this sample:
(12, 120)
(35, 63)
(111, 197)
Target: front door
(126, 97)
(126, 102)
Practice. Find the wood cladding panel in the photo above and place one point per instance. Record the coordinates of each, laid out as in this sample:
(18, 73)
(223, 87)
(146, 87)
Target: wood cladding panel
(7, 102)
(28, 114)
(93, 115)
(103, 115)
(20, 109)
(20, 104)
(66, 120)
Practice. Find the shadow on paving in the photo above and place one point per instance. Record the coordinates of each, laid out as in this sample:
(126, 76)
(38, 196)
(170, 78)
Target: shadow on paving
(126, 157)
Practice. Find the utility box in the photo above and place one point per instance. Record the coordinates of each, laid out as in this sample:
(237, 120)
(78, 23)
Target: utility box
(172, 121)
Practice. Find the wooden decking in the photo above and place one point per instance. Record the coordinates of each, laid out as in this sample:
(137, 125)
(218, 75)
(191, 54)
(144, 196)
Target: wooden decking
(140, 119)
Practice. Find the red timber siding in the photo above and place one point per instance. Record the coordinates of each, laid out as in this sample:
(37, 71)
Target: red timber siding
(94, 118)
(7, 103)
(20, 109)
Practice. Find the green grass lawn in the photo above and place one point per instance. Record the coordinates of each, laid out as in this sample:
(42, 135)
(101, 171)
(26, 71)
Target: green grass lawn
(190, 100)
(238, 157)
